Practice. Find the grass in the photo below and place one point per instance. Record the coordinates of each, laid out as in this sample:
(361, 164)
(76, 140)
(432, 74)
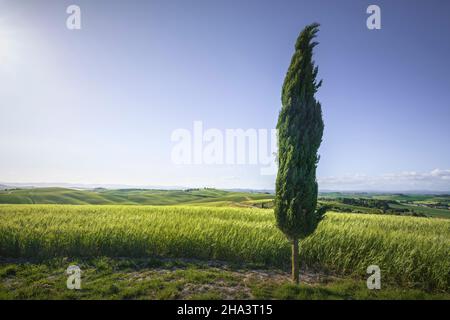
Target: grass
(435, 204)
(124, 196)
(433, 212)
(411, 252)
(106, 278)
(344, 289)
(213, 197)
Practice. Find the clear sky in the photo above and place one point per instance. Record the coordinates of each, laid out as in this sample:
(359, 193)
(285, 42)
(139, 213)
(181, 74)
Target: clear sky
(99, 105)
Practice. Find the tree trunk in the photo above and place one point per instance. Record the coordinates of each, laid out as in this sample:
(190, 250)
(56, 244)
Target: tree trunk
(295, 262)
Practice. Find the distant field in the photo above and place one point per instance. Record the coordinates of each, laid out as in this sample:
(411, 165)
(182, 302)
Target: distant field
(410, 251)
(428, 205)
(432, 212)
(125, 196)
(413, 204)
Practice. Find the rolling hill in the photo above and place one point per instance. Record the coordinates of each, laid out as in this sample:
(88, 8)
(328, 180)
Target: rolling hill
(211, 197)
(402, 204)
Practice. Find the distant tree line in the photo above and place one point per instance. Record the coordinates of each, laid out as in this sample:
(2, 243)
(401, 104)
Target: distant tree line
(378, 206)
(383, 205)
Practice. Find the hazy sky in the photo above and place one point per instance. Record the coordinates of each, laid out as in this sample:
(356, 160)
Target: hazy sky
(99, 105)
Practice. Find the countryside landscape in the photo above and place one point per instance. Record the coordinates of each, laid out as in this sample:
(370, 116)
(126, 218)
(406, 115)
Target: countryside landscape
(248, 151)
(215, 244)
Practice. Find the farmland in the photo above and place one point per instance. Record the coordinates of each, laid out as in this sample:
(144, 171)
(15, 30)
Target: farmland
(124, 196)
(232, 229)
(409, 250)
(373, 203)
(423, 205)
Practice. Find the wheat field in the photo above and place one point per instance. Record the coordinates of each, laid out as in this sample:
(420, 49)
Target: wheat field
(410, 251)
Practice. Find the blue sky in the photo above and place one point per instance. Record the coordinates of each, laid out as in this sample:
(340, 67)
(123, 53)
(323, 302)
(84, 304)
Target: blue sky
(99, 105)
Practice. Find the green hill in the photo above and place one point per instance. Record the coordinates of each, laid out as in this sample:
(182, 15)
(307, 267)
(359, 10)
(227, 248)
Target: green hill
(401, 204)
(127, 196)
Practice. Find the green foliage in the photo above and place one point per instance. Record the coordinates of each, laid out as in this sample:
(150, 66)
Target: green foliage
(348, 289)
(300, 130)
(171, 279)
(410, 251)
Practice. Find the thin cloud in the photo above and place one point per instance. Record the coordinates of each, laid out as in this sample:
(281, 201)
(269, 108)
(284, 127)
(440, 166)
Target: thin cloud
(436, 179)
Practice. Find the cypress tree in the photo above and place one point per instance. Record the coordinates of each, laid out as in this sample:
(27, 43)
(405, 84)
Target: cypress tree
(300, 128)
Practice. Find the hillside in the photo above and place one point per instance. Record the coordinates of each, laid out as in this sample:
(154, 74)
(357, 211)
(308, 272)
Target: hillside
(127, 196)
(421, 205)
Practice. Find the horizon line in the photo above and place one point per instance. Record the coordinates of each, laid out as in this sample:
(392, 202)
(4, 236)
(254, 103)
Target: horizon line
(112, 186)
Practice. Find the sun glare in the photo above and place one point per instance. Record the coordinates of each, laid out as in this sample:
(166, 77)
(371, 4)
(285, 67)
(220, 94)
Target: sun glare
(6, 48)
(8, 45)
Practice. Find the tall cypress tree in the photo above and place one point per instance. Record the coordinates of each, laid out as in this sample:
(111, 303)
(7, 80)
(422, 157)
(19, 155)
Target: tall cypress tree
(300, 128)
